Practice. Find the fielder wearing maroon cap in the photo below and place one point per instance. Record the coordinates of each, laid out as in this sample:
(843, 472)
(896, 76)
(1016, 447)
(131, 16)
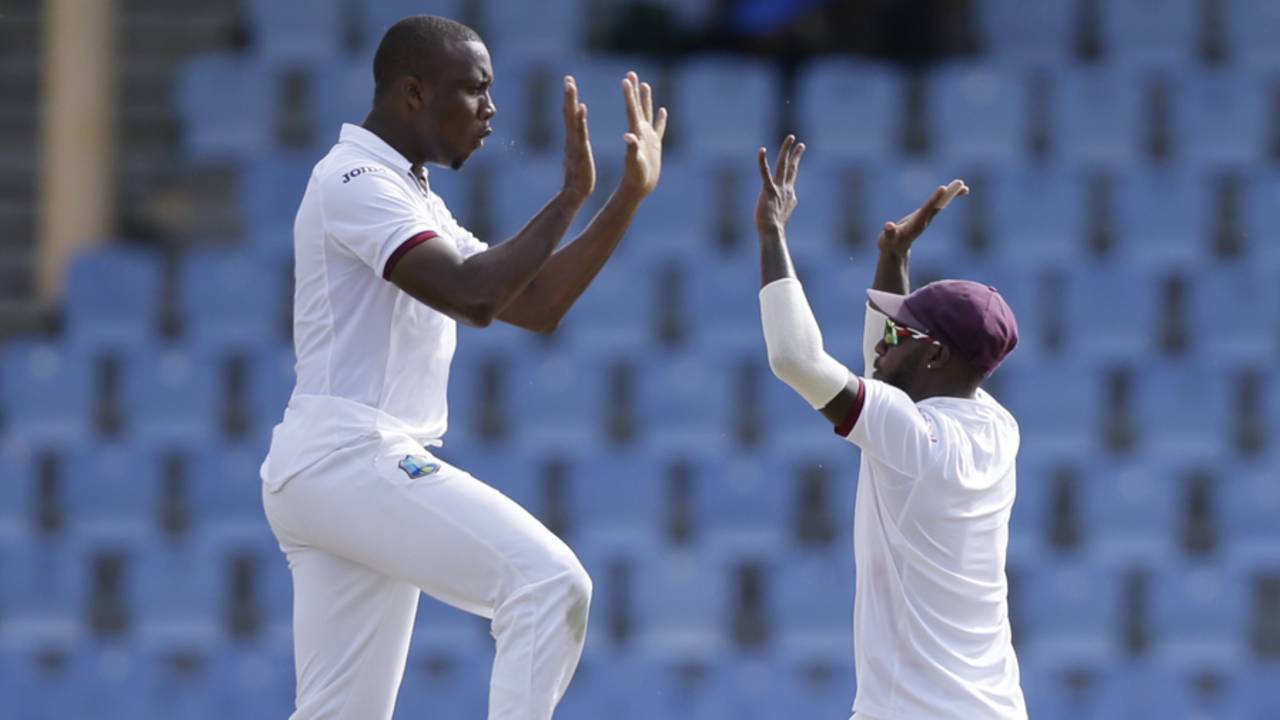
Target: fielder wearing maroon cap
(937, 473)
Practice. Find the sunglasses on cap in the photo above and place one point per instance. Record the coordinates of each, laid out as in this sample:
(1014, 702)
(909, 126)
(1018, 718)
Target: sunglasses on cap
(895, 332)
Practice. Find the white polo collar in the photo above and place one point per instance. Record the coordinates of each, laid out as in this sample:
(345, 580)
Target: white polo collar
(375, 145)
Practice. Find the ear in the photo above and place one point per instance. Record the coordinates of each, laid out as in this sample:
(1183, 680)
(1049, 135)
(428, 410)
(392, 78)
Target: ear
(415, 93)
(939, 356)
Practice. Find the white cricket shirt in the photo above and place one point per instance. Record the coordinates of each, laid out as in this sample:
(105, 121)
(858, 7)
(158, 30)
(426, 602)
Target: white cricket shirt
(371, 359)
(931, 528)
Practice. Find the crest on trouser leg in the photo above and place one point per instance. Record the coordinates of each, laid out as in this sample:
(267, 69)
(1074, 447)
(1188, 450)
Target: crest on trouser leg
(416, 466)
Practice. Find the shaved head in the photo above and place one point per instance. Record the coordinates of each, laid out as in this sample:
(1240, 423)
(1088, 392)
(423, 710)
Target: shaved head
(411, 45)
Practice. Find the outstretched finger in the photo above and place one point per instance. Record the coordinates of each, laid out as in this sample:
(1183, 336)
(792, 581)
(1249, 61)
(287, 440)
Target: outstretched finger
(646, 101)
(632, 100)
(780, 172)
(570, 100)
(660, 124)
(762, 156)
(793, 167)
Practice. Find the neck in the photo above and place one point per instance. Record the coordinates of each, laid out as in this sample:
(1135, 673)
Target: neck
(392, 133)
(948, 387)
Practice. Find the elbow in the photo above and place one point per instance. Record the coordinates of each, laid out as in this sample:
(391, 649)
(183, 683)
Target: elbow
(478, 314)
(784, 366)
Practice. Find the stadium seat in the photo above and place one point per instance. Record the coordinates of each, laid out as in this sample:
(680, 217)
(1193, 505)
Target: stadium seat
(1094, 331)
(685, 399)
(1059, 407)
(742, 686)
(254, 680)
(741, 505)
(44, 595)
(1096, 117)
(1031, 524)
(619, 496)
(812, 597)
(816, 684)
(226, 106)
(722, 105)
(599, 79)
(1250, 499)
(682, 606)
(1132, 510)
(835, 220)
(1251, 30)
(1070, 610)
(226, 489)
(111, 492)
(1261, 190)
(377, 16)
(899, 189)
(271, 381)
(1229, 307)
(520, 190)
(545, 28)
(1037, 215)
(111, 298)
(1169, 428)
(559, 398)
(619, 312)
(17, 495)
(1199, 611)
(272, 184)
(295, 30)
(47, 394)
(171, 397)
(1151, 33)
(1161, 218)
(180, 594)
(230, 300)
(41, 682)
(1209, 137)
(448, 685)
(723, 306)
(977, 114)
(1016, 34)
(847, 112)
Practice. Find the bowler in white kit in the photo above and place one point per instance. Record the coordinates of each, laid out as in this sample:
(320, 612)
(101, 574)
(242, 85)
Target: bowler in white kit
(936, 481)
(365, 512)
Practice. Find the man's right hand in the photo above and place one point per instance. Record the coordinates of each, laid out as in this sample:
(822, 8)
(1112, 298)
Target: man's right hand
(579, 166)
(896, 238)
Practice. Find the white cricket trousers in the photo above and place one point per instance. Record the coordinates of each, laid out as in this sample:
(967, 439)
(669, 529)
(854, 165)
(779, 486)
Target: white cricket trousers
(363, 538)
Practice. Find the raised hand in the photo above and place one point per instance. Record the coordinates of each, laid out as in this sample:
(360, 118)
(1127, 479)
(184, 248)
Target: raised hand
(778, 194)
(579, 165)
(644, 141)
(898, 237)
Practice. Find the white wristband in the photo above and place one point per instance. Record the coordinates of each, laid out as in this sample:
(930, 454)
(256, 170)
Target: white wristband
(794, 341)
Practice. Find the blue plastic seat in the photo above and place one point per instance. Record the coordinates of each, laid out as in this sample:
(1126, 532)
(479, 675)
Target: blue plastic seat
(44, 595)
(47, 392)
(1058, 406)
(722, 309)
(452, 685)
(295, 30)
(252, 680)
(546, 28)
(1169, 429)
(271, 381)
(812, 595)
(1037, 214)
(17, 494)
(1162, 218)
(1070, 611)
(619, 496)
(599, 79)
(1251, 29)
(1223, 336)
(1210, 137)
(741, 507)
(171, 397)
(1131, 510)
(977, 114)
(559, 399)
(816, 684)
(618, 311)
(377, 16)
(847, 111)
(741, 686)
(682, 606)
(1261, 200)
(686, 399)
(1096, 117)
(111, 492)
(1151, 33)
(1038, 474)
(230, 300)
(111, 298)
(226, 106)
(723, 105)
(178, 594)
(1094, 330)
(1015, 32)
(272, 184)
(521, 190)
(1249, 501)
(35, 687)
(1200, 611)
(225, 489)
(442, 631)
(835, 221)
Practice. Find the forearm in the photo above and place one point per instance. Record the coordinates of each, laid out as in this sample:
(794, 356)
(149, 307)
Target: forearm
(570, 270)
(775, 260)
(891, 272)
(504, 271)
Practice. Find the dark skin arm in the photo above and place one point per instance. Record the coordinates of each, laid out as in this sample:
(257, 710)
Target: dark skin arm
(565, 276)
(474, 290)
(778, 201)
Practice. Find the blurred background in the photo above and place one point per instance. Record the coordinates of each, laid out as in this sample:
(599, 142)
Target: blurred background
(1123, 159)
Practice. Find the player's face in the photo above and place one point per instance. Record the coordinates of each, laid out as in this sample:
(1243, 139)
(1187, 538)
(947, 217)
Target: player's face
(454, 117)
(899, 364)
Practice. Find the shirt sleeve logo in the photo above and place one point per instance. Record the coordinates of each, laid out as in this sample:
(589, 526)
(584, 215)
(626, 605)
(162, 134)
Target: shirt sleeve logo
(357, 172)
(417, 466)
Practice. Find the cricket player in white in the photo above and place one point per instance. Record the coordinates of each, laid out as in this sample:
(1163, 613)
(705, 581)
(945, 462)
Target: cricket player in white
(366, 514)
(936, 482)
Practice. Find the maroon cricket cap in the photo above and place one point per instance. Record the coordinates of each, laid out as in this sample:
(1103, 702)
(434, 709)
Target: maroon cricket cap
(968, 317)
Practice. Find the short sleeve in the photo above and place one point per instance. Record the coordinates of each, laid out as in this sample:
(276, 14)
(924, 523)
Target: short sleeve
(897, 432)
(371, 214)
